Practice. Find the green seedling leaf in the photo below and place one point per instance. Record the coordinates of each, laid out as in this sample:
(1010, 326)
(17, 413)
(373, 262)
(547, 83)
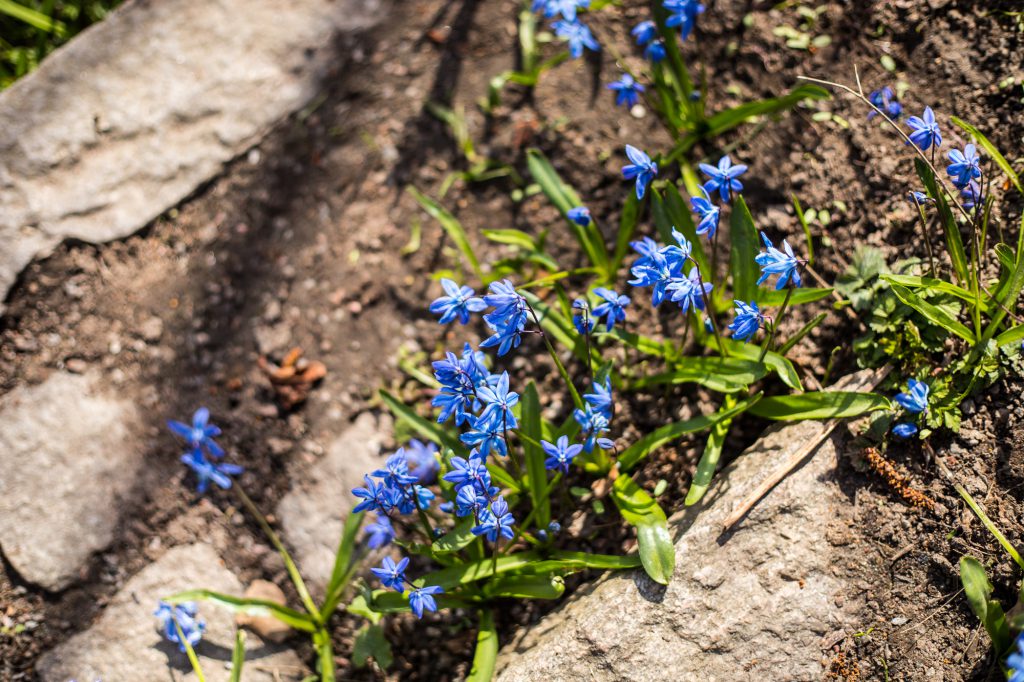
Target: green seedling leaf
(934, 314)
(1011, 335)
(370, 642)
(654, 440)
(775, 362)
(451, 226)
(324, 655)
(819, 405)
(513, 238)
(804, 331)
(486, 655)
(252, 607)
(933, 285)
(771, 297)
(745, 247)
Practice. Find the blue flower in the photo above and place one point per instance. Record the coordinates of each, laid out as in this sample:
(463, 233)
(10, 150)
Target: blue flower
(689, 291)
(422, 459)
(601, 398)
(915, 400)
(577, 35)
(185, 616)
(380, 532)
(774, 262)
(919, 198)
(748, 320)
(495, 522)
(579, 215)
(627, 90)
(659, 267)
(613, 308)
(708, 213)
(459, 303)
(583, 322)
(1015, 661)
(468, 501)
(469, 472)
(376, 496)
(925, 130)
(965, 166)
(422, 598)
(561, 454)
(683, 13)
(200, 434)
(904, 430)
(552, 8)
(207, 471)
(488, 435)
(655, 51)
(395, 473)
(644, 32)
(971, 196)
(592, 424)
(885, 99)
(508, 319)
(642, 168)
(723, 177)
(391, 574)
(499, 401)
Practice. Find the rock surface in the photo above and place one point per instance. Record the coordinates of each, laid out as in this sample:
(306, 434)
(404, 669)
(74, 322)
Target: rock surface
(312, 514)
(124, 643)
(135, 113)
(751, 604)
(68, 457)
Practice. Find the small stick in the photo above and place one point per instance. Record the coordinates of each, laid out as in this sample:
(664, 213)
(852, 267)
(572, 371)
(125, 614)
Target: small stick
(791, 462)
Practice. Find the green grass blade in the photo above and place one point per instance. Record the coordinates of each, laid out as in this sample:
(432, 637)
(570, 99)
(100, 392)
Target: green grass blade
(804, 331)
(537, 475)
(486, 655)
(627, 226)
(33, 18)
(745, 247)
(451, 226)
(807, 229)
(731, 118)
(725, 375)
(190, 652)
(678, 209)
(950, 228)
(238, 657)
(708, 462)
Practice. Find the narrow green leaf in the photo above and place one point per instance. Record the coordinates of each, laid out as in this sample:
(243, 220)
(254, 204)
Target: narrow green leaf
(978, 591)
(252, 607)
(644, 344)
(503, 478)
(708, 462)
(934, 314)
(807, 229)
(430, 430)
(526, 587)
(537, 474)
(457, 538)
(937, 286)
(451, 226)
(486, 655)
(1009, 299)
(325, 655)
(657, 553)
(1000, 160)
(819, 405)
(804, 331)
(775, 362)
(33, 18)
(238, 657)
(1011, 335)
(370, 642)
(344, 567)
(730, 118)
(512, 238)
(190, 652)
(771, 297)
(950, 228)
(726, 375)
(654, 440)
(743, 235)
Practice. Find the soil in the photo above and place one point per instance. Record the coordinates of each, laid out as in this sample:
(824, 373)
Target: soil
(300, 243)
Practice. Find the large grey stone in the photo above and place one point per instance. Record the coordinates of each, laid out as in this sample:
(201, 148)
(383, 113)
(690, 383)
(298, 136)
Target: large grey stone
(313, 512)
(134, 114)
(753, 604)
(68, 458)
(124, 643)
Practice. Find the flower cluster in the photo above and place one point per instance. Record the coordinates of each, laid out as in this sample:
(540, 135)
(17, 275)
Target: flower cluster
(202, 450)
(914, 401)
(661, 268)
(181, 616)
(392, 575)
(885, 99)
(569, 28)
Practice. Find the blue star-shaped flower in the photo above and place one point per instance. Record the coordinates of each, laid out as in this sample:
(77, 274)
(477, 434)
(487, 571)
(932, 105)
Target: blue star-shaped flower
(579, 215)
(919, 198)
(601, 398)
(200, 434)
(497, 521)
(904, 430)
(560, 454)
(965, 166)
(458, 304)
(180, 616)
(748, 320)
(552, 8)
(376, 496)
(577, 35)
(380, 532)
(613, 308)
(592, 425)
(655, 51)
(486, 434)
(472, 471)
(627, 90)
(642, 168)
(499, 401)
(915, 400)
(583, 322)
(395, 473)
(391, 574)
(683, 13)
(885, 99)
(774, 262)
(689, 292)
(207, 471)
(707, 212)
(422, 459)
(723, 177)
(422, 598)
(925, 130)
(644, 32)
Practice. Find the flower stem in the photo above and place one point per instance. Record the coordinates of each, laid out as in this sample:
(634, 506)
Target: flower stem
(775, 323)
(707, 306)
(927, 237)
(576, 398)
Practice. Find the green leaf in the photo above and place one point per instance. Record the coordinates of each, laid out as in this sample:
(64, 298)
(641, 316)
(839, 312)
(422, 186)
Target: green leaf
(730, 118)
(567, 562)
(426, 428)
(1009, 299)
(771, 297)
(457, 538)
(1011, 335)
(745, 248)
(657, 553)
(644, 344)
(708, 461)
(526, 587)
(451, 226)
(934, 314)
(950, 229)
(819, 405)
(370, 642)
(652, 441)
(775, 362)
(190, 652)
(978, 591)
(1000, 160)
(35, 19)
(807, 229)
(804, 331)
(324, 655)
(931, 284)
(726, 375)
(678, 210)
(503, 478)
(537, 475)
(344, 567)
(238, 657)
(512, 238)
(486, 655)
(252, 607)
(565, 198)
